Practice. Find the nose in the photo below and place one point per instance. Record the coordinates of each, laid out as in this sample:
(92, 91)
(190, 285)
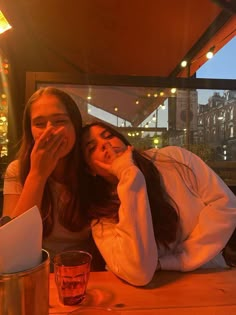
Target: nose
(105, 145)
(49, 124)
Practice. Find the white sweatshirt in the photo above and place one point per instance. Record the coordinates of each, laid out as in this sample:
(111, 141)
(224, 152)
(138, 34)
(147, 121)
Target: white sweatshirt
(207, 210)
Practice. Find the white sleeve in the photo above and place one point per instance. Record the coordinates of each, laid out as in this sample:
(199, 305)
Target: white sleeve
(129, 247)
(216, 222)
(12, 183)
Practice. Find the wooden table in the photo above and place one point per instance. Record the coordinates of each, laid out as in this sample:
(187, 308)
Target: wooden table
(211, 292)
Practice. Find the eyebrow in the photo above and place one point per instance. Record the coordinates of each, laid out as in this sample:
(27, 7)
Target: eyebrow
(53, 115)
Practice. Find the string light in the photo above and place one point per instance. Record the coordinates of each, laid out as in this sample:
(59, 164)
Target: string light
(210, 53)
(184, 63)
(4, 71)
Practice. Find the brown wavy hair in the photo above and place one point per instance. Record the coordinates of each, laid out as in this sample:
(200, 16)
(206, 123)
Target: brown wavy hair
(70, 216)
(103, 203)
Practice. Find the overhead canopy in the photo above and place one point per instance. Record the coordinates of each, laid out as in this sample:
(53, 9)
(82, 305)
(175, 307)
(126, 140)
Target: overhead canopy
(112, 37)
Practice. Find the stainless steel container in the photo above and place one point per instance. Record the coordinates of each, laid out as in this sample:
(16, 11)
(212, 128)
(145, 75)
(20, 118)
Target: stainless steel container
(26, 292)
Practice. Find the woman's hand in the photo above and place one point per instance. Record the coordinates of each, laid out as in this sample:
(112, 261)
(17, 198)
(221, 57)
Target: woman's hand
(47, 151)
(118, 161)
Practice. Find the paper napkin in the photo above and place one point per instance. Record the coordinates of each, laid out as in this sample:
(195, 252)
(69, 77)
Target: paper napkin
(21, 242)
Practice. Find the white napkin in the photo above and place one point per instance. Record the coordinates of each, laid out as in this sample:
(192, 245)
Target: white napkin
(21, 242)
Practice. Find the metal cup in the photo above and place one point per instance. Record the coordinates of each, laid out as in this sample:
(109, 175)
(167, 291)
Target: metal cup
(26, 292)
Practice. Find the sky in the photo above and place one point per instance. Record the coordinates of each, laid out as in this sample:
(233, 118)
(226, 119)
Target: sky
(222, 65)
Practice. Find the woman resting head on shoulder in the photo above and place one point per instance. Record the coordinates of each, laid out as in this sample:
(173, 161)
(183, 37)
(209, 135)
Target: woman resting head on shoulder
(49, 170)
(159, 209)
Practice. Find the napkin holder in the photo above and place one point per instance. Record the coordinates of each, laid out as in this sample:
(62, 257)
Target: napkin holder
(24, 266)
(26, 292)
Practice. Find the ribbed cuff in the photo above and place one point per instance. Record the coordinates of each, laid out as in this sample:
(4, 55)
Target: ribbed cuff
(170, 262)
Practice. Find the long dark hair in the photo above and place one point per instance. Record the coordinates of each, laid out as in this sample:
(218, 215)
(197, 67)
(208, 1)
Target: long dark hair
(71, 216)
(165, 216)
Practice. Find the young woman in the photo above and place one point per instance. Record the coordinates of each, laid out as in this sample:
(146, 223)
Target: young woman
(162, 209)
(49, 172)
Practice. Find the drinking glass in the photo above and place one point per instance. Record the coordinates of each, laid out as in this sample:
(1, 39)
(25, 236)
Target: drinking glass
(71, 269)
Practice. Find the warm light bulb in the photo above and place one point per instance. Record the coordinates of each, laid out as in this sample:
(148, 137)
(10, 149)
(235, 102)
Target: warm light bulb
(210, 53)
(184, 63)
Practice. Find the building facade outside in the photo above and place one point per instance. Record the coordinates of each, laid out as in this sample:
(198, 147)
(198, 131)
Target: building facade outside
(215, 128)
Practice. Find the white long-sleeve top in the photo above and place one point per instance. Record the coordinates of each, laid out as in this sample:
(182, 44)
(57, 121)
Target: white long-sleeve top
(206, 207)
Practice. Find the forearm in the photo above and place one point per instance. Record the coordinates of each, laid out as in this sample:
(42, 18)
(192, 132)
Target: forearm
(31, 195)
(206, 240)
(129, 247)
(208, 214)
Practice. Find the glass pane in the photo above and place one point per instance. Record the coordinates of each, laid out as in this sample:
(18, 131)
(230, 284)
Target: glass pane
(201, 120)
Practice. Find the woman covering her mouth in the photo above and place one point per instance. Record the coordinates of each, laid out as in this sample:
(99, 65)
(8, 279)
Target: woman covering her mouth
(49, 173)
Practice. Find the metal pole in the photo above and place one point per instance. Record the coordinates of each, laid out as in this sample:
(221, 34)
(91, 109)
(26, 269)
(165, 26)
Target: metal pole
(188, 111)
(156, 117)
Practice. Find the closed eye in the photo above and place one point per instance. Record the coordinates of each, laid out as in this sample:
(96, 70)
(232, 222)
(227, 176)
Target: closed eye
(107, 135)
(61, 122)
(40, 124)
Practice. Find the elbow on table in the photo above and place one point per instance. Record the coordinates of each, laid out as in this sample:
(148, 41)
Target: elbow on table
(142, 281)
(139, 277)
